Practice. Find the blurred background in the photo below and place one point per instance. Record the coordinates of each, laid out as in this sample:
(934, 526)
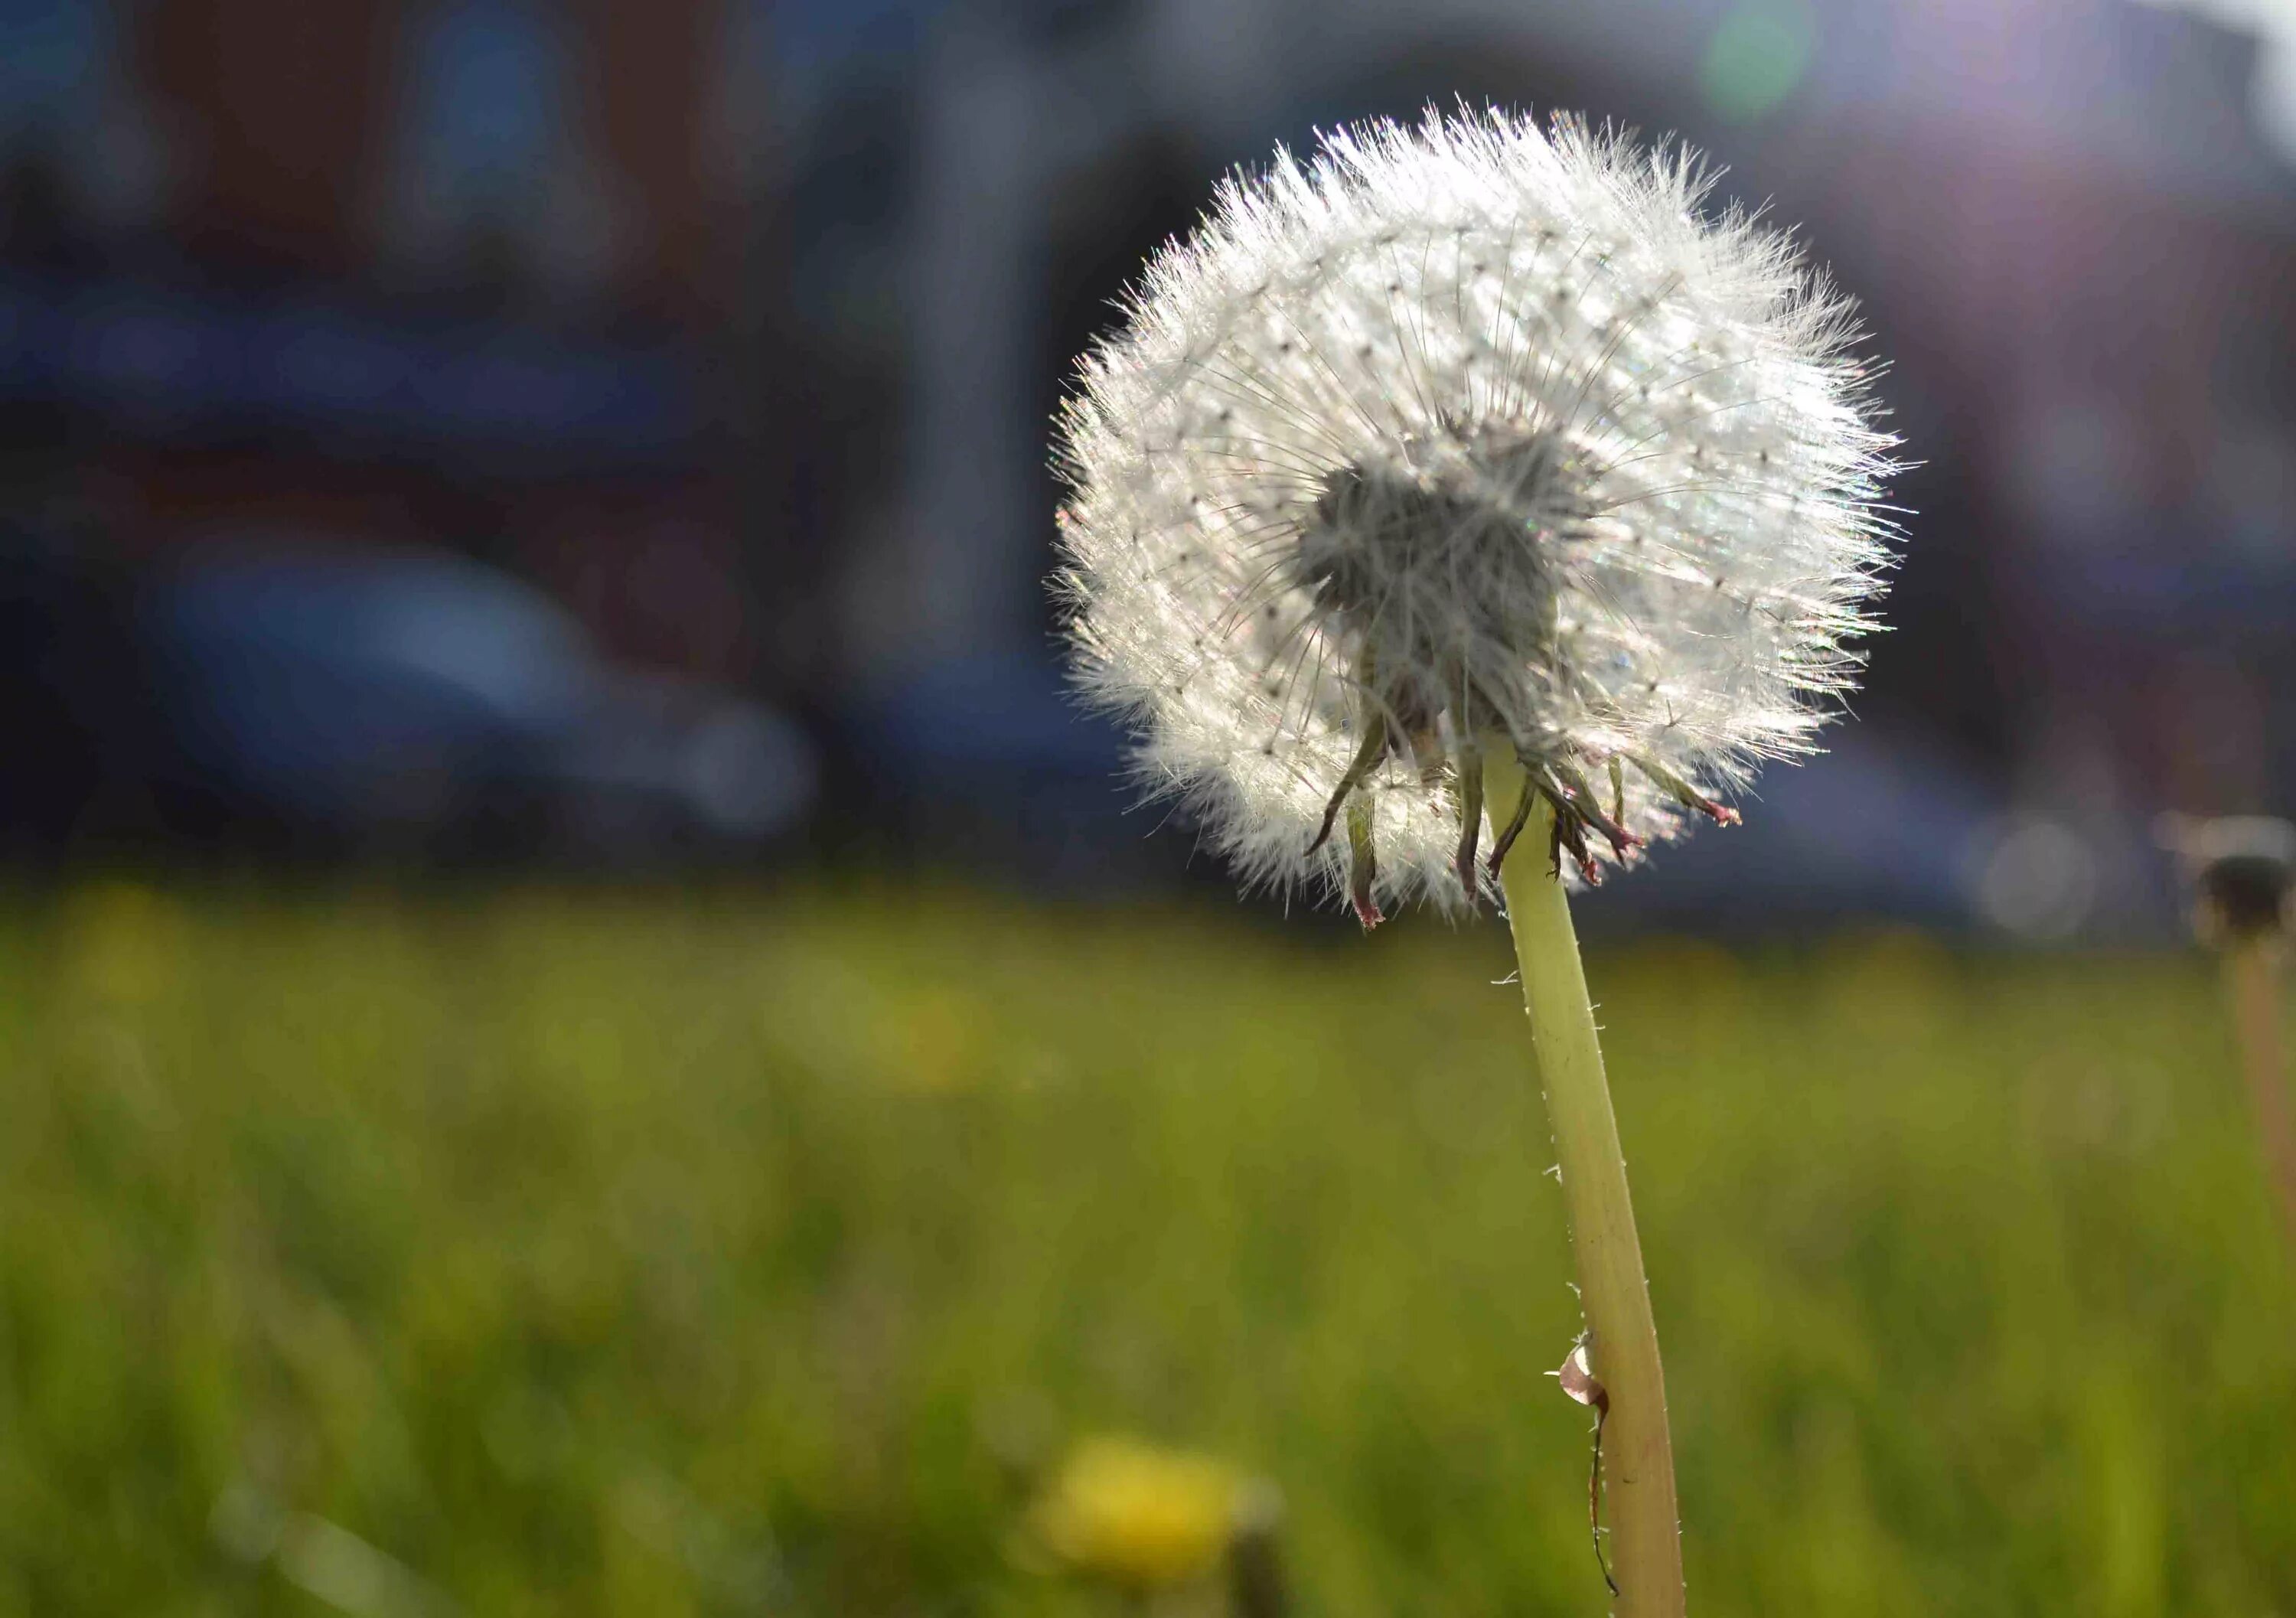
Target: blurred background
(454, 452)
(503, 429)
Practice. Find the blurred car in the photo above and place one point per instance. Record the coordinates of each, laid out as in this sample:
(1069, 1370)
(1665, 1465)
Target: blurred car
(358, 701)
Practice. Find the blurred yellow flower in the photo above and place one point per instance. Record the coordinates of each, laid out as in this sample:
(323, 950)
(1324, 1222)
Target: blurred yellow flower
(1136, 1514)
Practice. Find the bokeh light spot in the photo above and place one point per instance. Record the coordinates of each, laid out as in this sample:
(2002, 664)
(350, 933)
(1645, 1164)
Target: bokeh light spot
(1757, 57)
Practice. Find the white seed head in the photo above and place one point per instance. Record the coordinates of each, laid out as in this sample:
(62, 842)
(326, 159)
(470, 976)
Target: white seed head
(1459, 436)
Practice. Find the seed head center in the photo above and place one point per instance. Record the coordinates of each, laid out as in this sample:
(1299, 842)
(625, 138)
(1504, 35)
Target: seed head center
(1438, 572)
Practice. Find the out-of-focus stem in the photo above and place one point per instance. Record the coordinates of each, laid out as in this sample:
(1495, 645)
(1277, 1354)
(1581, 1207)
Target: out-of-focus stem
(1637, 1457)
(2251, 965)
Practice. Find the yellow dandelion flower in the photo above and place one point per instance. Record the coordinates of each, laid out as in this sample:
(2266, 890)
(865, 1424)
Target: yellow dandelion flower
(1139, 1515)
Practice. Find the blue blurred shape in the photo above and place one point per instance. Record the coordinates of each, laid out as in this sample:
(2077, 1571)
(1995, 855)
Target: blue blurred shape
(817, 36)
(371, 693)
(303, 360)
(1875, 827)
(167, 362)
(988, 760)
(990, 711)
(51, 55)
(490, 102)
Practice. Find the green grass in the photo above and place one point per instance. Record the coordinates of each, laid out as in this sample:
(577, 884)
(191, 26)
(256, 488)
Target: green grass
(752, 1253)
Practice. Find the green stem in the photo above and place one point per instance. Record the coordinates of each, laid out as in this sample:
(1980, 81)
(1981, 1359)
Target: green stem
(1646, 1537)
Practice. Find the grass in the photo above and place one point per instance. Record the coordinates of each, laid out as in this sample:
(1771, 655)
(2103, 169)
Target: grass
(757, 1252)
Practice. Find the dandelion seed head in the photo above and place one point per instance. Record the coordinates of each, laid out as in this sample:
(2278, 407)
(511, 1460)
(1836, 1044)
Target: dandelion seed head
(1458, 436)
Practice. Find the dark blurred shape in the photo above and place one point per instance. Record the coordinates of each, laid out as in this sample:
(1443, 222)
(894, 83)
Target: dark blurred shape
(2242, 868)
(76, 702)
(1256, 1583)
(82, 159)
(345, 702)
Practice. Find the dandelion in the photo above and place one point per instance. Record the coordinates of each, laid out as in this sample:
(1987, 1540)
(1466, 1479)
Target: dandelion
(1145, 1518)
(1468, 481)
(1459, 438)
(2243, 870)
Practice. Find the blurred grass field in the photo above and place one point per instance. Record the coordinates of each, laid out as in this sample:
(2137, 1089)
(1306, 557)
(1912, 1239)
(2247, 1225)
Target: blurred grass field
(545, 1253)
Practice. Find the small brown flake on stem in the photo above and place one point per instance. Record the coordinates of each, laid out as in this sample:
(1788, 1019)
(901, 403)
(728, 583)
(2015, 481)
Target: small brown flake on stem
(1579, 1381)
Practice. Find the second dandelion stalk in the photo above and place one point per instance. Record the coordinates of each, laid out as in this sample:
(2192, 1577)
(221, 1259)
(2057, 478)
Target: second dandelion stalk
(1637, 1455)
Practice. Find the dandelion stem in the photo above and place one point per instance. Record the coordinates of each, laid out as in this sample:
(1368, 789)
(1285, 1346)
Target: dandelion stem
(2252, 964)
(1645, 1533)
